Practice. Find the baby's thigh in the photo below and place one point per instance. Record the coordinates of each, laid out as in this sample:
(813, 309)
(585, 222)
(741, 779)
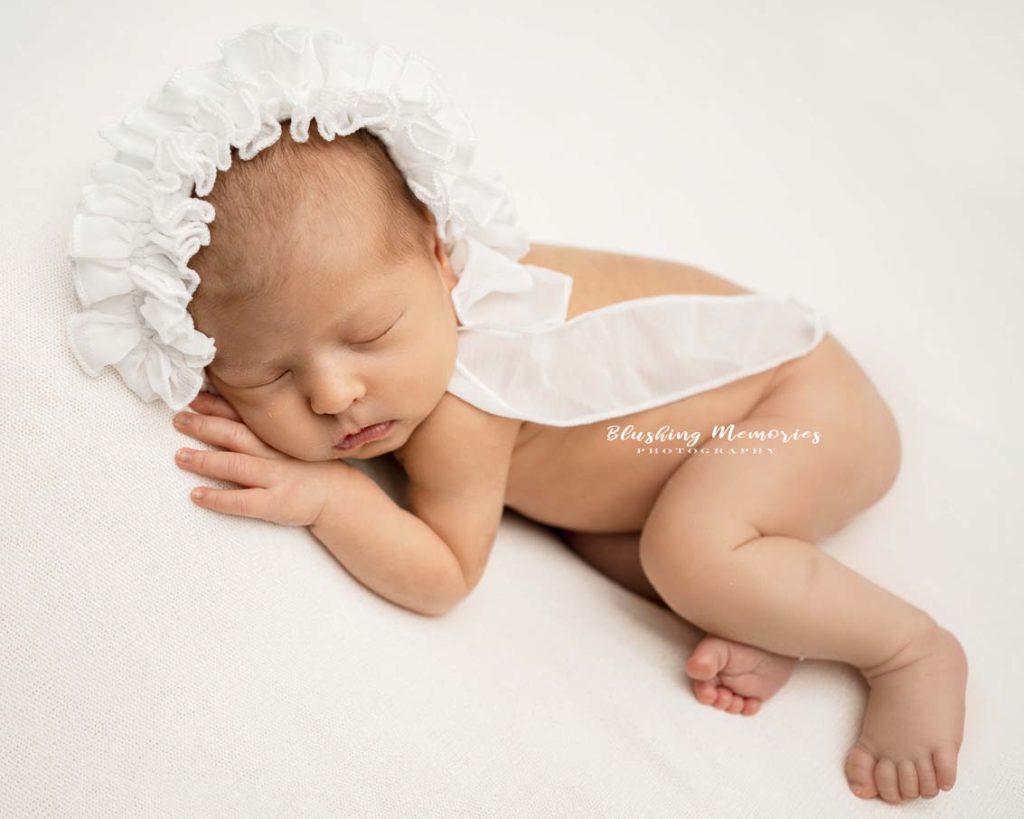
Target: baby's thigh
(806, 487)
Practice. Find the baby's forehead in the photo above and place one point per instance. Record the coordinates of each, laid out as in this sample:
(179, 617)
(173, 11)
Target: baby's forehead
(349, 225)
(246, 331)
(326, 248)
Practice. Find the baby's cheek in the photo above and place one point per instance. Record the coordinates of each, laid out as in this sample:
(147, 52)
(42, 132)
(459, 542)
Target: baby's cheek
(275, 427)
(268, 412)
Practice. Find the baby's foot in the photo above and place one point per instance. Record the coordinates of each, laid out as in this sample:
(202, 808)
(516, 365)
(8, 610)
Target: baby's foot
(914, 722)
(736, 677)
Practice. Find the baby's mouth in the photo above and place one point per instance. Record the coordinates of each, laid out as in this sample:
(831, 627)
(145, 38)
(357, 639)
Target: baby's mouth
(374, 432)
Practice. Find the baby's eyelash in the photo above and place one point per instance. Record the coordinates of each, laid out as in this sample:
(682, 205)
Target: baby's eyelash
(265, 384)
(368, 341)
(282, 375)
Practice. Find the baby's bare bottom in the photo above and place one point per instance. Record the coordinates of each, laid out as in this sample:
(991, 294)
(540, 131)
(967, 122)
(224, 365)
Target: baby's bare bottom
(729, 546)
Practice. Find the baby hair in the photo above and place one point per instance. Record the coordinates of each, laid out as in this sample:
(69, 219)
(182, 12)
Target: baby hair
(266, 205)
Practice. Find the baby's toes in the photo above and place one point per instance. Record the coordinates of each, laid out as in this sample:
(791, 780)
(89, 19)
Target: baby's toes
(887, 781)
(860, 772)
(705, 691)
(926, 784)
(945, 767)
(736, 706)
(907, 772)
(724, 699)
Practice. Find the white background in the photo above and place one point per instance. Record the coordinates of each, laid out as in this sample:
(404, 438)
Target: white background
(866, 158)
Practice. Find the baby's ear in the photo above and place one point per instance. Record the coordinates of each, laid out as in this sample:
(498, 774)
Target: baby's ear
(444, 264)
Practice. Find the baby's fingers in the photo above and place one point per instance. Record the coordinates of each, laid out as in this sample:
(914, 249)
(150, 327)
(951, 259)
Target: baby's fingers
(210, 404)
(229, 466)
(247, 503)
(223, 432)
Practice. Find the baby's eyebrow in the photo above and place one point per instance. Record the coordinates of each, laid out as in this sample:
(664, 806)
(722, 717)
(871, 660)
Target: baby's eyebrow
(375, 307)
(229, 366)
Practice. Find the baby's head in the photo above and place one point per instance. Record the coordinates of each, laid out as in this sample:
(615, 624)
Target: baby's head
(327, 292)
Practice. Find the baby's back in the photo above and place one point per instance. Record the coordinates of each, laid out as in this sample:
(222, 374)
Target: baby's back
(575, 478)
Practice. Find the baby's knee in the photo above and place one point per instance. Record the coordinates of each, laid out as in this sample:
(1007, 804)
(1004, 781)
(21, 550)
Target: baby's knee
(691, 554)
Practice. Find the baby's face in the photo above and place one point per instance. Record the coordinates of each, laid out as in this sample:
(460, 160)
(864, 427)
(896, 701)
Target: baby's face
(348, 343)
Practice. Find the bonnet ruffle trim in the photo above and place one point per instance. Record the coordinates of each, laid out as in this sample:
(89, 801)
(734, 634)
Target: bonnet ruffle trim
(137, 225)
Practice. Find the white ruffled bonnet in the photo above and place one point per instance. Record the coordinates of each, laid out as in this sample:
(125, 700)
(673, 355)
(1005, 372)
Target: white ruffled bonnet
(137, 226)
(518, 354)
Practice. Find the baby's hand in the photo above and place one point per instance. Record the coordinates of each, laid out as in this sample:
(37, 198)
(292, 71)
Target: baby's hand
(283, 490)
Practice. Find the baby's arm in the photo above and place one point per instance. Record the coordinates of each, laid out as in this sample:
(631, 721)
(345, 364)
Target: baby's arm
(430, 558)
(386, 548)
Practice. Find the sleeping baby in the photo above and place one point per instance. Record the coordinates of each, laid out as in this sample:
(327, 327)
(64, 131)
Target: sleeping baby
(340, 345)
(342, 333)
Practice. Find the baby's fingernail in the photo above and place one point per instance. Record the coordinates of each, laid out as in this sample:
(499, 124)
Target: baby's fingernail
(181, 419)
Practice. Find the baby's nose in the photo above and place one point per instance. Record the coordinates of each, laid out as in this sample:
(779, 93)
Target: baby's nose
(335, 394)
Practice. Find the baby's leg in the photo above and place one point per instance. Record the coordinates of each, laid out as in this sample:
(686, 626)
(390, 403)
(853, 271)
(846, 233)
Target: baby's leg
(726, 675)
(616, 556)
(729, 546)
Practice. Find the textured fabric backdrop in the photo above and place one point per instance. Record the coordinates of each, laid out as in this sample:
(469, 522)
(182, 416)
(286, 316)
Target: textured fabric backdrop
(158, 659)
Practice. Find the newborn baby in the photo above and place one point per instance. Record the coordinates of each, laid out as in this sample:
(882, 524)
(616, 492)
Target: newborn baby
(327, 290)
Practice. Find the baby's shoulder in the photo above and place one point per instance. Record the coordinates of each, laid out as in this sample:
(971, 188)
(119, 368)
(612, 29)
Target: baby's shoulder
(457, 445)
(601, 277)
